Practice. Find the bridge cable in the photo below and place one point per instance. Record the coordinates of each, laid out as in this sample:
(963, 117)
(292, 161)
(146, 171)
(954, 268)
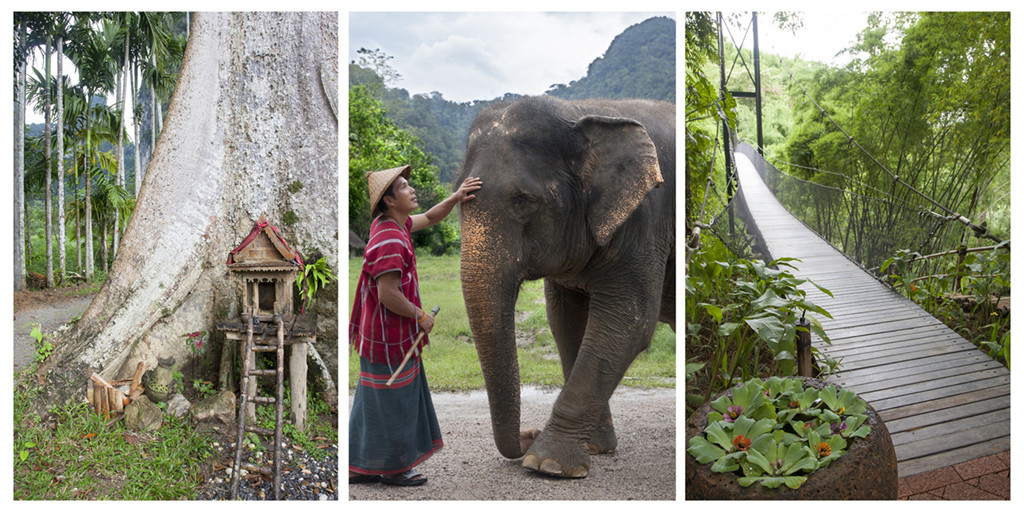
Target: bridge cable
(979, 231)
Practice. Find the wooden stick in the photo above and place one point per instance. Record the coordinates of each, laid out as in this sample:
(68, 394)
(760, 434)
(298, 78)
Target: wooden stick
(114, 396)
(99, 380)
(137, 378)
(412, 349)
(135, 394)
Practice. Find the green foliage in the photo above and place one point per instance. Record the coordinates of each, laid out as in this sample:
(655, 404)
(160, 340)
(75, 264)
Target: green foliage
(705, 113)
(313, 278)
(451, 359)
(639, 63)
(75, 454)
(735, 308)
(965, 293)
(376, 143)
(311, 440)
(205, 388)
(43, 347)
(927, 96)
(775, 432)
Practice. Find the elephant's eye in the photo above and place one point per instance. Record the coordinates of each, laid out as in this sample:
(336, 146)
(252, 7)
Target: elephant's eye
(523, 205)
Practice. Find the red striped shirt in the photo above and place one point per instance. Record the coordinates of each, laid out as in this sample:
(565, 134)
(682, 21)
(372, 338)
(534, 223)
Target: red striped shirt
(375, 332)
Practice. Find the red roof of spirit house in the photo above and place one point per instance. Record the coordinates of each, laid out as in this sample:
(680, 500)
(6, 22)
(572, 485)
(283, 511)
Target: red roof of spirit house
(264, 249)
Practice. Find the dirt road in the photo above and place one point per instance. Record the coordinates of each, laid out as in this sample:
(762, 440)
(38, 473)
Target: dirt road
(48, 308)
(470, 467)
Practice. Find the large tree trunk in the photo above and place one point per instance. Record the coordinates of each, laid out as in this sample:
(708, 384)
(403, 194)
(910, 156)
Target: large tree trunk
(61, 218)
(248, 118)
(19, 172)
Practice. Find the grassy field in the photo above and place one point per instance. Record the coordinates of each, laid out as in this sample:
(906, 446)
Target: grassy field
(451, 360)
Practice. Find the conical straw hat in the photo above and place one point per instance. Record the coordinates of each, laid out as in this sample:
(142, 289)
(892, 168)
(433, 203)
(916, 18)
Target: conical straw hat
(380, 181)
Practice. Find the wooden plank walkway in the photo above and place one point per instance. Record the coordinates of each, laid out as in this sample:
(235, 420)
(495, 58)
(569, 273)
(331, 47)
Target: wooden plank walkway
(943, 400)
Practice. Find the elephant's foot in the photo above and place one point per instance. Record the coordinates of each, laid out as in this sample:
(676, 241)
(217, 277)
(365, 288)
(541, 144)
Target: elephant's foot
(557, 457)
(527, 437)
(603, 439)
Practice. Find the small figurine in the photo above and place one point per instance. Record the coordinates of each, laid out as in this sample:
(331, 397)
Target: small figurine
(159, 382)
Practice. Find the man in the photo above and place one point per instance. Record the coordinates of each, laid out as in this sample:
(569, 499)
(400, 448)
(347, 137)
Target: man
(393, 428)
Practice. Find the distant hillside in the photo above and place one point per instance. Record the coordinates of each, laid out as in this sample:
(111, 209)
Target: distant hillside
(639, 63)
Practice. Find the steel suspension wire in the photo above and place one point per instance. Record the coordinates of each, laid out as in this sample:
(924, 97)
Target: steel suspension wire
(894, 200)
(978, 230)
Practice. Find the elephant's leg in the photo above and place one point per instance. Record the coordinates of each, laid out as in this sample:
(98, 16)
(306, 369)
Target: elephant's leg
(567, 316)
(620, 324)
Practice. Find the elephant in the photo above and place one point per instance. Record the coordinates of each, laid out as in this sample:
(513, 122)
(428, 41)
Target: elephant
(581, 194)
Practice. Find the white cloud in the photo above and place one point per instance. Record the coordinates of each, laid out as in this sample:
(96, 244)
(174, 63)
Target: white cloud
(482, 55)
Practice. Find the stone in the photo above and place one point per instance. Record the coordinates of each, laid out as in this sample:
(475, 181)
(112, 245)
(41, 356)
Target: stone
(178, 405)
(218, 408)
(867, 471)
(143, 415)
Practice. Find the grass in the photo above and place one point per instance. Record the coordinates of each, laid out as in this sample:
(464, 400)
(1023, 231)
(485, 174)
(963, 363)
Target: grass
(451, 359)
(72, 454)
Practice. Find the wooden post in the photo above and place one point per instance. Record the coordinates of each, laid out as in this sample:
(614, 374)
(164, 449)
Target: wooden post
(961, 256)
(297, 368)
(803, 348)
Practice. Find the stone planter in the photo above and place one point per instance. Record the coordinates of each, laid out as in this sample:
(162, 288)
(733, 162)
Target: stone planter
(867, 471)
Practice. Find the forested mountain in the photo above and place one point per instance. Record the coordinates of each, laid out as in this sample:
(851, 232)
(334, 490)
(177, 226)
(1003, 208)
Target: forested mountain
(639, 63)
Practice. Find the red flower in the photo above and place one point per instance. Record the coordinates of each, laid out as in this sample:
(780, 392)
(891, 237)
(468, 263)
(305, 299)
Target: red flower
(741, 442)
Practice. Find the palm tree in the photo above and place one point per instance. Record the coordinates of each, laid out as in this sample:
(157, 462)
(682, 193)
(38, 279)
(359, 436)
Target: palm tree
(156, 44)
(112, 204)
(60, 31)
(20, 53)
(96, 71)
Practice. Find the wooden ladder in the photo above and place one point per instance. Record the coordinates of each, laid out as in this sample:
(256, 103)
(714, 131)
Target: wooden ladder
(247, 372)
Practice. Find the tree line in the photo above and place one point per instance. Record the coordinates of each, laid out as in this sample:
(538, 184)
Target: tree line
(78, 165)
(390, 127)
(926, 95)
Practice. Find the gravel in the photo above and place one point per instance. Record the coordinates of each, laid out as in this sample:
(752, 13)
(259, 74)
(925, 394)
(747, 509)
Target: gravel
(302, 477)
(469, 467)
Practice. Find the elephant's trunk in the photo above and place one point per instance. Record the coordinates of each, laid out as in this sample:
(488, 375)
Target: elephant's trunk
(490, 290)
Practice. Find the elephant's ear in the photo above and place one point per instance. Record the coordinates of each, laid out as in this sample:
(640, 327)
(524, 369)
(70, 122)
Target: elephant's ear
(620, 167)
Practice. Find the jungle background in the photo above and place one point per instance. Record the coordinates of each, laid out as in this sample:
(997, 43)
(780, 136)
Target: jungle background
(925, 94)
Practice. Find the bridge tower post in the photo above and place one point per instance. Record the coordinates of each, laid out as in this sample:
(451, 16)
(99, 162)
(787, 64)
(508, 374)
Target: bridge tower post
(756, 94)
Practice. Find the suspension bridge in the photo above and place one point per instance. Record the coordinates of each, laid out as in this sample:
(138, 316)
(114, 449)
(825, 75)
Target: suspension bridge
(943, 401)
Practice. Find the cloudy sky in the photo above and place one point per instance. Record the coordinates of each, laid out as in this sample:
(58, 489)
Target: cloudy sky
(483, 55)
(823, 35)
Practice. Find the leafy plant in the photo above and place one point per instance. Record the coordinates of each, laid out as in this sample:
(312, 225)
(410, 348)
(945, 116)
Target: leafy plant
(43, 347)
(313, 278)
(777, 432)
(738, 308)
(965, 295)
(196, 341)
(205, 388)
(25, 450)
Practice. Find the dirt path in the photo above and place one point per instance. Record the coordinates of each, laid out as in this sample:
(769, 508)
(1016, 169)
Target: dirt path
(470, 467)
(48, 308)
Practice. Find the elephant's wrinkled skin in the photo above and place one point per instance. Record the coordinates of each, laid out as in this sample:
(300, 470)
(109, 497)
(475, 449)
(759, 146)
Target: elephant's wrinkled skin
(581, 194)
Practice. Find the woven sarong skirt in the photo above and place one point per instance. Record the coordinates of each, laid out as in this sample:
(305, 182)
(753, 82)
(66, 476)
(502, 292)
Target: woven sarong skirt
(391, 429)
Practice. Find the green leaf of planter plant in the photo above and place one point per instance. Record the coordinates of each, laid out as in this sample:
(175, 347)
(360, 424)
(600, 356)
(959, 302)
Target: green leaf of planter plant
(704, 451)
